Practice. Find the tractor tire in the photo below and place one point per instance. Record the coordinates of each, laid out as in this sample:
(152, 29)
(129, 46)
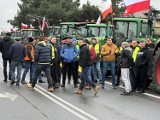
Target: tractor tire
(156, 70)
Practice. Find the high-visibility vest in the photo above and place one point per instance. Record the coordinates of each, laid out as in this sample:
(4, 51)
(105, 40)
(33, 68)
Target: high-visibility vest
(53, 54)
(135, 52)
(32, 52)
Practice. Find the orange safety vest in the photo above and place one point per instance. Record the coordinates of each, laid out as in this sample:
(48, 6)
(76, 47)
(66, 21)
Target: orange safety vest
(32, 52)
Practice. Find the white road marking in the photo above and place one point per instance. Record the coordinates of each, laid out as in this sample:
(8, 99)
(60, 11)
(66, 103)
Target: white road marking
(81, 116)
(69, 104)
(8, 95)
(60, 104)
(147, 94)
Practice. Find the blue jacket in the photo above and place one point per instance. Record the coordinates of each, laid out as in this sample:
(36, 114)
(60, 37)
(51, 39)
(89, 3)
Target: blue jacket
(69, 52)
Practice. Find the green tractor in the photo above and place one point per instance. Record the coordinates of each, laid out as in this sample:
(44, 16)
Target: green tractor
(30, 33)
(139, 29)
(98, 31)
(16, 34)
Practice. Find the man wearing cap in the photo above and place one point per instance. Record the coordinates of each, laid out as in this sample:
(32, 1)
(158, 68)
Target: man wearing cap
(74, 42)
(69, 53)
(5, 44)
(17, 54)
(29, 60)
(108, 52)
(97, 70)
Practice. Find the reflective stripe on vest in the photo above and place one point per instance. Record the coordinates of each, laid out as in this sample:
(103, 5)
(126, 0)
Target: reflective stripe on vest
(53, 54)
(32, 52)
(135, 52)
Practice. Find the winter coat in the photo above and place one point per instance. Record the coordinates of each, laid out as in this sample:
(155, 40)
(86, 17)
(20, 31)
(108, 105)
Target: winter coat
(111, 57)
(142, 58)
(43, 53)
(126, 58)
(5, 45)
(69, 52)
(17, 52)
(85, 56)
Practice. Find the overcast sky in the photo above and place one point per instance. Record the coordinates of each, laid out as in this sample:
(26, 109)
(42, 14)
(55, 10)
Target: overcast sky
(8, 9)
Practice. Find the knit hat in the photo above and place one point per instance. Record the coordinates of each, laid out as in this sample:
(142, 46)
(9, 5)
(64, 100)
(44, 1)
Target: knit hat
(74, 39)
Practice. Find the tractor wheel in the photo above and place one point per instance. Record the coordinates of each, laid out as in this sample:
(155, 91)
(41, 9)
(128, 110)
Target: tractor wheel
(156, 70)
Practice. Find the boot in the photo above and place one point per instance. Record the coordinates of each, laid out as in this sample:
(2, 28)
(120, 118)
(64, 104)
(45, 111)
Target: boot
(78, 91)
(96, 90)
(50, 89)
(30, 86)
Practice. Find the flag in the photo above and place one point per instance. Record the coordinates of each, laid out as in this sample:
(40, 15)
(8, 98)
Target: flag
(98, 20)
(24, 26)
(31, 27)
(44, 23)
(105, 7)
(133, 6)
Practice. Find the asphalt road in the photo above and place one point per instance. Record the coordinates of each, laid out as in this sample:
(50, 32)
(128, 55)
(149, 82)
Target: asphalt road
(19, 103)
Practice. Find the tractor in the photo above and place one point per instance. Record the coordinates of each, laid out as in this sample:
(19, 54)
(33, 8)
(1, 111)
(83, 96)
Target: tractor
(141, 30)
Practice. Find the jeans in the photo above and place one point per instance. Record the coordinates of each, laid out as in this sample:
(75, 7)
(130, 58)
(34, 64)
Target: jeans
(19, 67)
(105, 68)
(28, 66)
(5, 68)
(46, 68)
(86, 77)
(97, 71)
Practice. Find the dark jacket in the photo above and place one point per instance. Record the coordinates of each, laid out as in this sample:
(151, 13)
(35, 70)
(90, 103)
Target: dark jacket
(126, 58)
(5, 45)
(69, 52)
(17, 52)
(85, 56)
(42, 53)
(57, 49)
(142, 58)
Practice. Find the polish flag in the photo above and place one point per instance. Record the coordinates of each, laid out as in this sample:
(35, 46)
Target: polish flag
(44, 23)
(133, 6)
(24, 26)
(105, 7)
(98, 20)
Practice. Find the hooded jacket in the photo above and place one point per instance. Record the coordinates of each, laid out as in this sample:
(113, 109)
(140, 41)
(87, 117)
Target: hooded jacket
(42, 53)
(85, 56)
(126, 58)
(5, 45)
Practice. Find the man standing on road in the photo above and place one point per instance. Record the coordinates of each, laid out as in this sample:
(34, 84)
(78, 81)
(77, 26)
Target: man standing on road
(17, 54)
(5, 45)
(141, 65)
(42, 57)
(69, 53)
(125, 64)
(86, 63)
(29, 61)
(108, 52)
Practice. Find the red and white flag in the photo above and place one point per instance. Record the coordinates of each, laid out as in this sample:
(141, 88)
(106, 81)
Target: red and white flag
(44, 23)
(133, 6)
(105, 7)
(98, 20)
(31, 26)
(24, 25)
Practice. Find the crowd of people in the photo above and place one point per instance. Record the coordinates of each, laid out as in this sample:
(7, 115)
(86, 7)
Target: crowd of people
(130, 62)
